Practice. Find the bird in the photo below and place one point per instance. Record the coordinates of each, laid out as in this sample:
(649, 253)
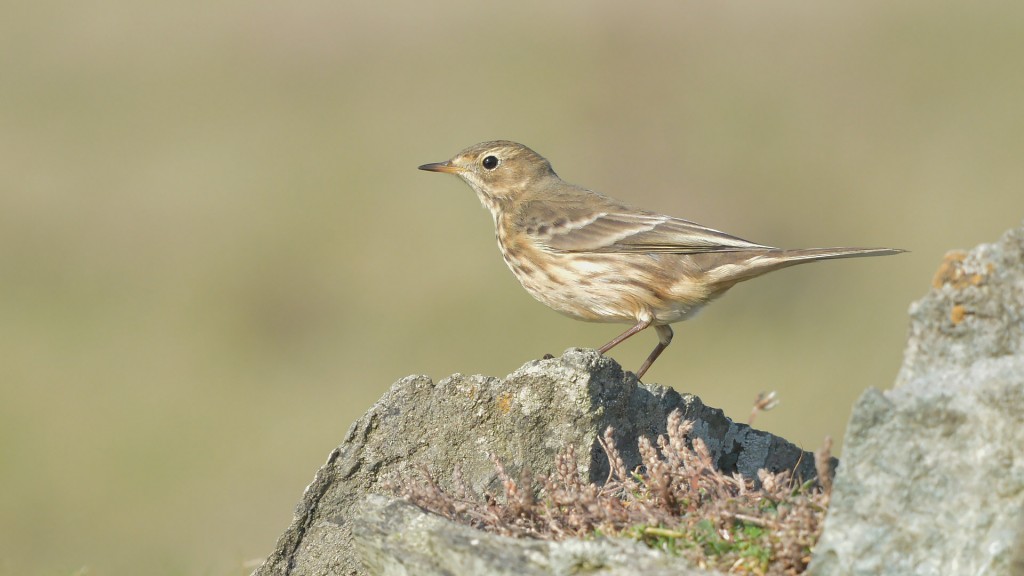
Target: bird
(594, 258)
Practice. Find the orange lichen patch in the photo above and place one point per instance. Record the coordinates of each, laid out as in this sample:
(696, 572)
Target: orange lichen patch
(504, 403)
(951, 272)
(957, 314)
(950, 268)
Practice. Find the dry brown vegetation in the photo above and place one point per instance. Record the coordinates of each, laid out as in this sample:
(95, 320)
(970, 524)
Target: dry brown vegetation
(676, 501)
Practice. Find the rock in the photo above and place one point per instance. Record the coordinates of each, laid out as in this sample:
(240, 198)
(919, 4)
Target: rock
(395, 538)
(974, 311)
(932, 480)
(525, 420)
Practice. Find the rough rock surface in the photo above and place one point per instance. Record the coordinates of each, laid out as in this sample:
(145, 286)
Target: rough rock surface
(395, 538)
(524, 419)
(932, 480)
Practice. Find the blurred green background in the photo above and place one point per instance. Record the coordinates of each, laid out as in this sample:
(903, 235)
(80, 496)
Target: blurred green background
(216, 251)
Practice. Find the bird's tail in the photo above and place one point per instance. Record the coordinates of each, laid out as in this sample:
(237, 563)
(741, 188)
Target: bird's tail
(766, 261)
(800, 255)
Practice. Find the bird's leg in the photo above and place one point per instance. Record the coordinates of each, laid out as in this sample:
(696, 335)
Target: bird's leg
(664, 339)
(618, 339)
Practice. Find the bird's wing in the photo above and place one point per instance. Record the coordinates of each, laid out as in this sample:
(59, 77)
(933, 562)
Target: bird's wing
(635, 232)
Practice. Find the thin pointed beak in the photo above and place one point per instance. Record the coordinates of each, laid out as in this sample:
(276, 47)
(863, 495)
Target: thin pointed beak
(446, 167)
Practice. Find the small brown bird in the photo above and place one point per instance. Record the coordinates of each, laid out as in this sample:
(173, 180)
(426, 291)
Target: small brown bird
(594, 258)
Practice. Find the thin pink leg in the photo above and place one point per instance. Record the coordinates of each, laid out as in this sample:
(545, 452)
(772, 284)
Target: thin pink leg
(664, 339)
(618, 339)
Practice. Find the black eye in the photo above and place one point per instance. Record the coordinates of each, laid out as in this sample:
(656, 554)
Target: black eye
(490, 162)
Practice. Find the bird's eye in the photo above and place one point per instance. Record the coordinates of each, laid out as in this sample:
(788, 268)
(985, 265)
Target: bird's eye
(490, 162)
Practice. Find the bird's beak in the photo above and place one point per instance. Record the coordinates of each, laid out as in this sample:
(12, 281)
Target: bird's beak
(446, 167)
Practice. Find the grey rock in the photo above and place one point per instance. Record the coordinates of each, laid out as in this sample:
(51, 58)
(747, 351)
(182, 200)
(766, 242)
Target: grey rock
(395, 538)
(524, 420)
(932, 480)
(974, 310)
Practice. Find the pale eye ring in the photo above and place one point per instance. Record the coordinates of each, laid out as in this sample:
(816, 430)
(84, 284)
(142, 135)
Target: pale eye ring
(490, 162)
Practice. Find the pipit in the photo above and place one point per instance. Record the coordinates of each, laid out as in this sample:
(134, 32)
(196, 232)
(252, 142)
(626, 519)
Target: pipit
(597, 259)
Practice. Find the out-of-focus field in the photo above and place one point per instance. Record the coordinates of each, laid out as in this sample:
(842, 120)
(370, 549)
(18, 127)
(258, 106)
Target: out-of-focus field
(216, 251)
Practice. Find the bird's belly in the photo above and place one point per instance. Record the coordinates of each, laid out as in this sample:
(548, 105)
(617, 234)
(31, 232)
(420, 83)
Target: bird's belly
(599, 287)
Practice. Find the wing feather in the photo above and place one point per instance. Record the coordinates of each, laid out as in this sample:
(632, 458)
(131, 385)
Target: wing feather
(638, 232)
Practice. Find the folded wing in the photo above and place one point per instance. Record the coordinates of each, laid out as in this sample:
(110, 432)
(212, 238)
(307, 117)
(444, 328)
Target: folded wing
(637, 232)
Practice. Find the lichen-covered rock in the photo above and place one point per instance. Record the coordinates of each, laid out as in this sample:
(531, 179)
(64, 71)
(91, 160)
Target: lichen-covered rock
(524, 420)
(932, 480)
(975, 310)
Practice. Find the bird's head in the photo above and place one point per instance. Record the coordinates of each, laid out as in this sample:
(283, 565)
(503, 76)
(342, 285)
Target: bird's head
(500, 171)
